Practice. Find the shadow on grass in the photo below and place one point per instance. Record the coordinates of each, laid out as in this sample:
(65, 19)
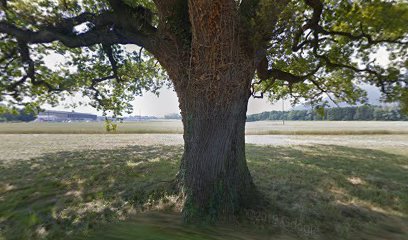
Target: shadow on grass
(333, 191)
(317, 192)
(63, 193)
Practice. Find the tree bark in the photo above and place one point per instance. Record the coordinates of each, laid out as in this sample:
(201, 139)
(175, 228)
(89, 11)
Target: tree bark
(212, 78)
(217, 182)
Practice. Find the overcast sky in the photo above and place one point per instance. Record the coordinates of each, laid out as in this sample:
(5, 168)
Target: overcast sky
(150, 104)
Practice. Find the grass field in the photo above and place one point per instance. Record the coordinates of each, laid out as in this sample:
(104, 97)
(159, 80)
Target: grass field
(100, 186)
(175, 127)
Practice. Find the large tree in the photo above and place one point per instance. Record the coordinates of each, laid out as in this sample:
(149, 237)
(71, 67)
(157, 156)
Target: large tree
(217, 55)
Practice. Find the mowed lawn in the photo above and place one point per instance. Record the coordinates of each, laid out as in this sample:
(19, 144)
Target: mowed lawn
(99, 186)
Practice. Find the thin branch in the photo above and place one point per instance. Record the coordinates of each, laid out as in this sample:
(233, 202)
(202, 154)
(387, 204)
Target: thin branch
(370, 39)
(8, 55)
(313, 25)
(317, 7)
(109, 52)
(324, 91)
(98, 96)
(265, 73)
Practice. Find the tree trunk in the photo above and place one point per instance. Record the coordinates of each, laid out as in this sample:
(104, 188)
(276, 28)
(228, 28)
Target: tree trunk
(213, 86)
(217, 182)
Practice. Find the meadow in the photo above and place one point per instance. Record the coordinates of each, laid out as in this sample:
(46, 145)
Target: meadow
(120, 186)
(176, 127)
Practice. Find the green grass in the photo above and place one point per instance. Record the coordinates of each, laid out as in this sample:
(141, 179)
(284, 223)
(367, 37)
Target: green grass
(175, 127)
(314, 192)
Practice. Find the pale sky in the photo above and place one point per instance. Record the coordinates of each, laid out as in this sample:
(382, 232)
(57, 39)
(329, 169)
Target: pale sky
(151, 105)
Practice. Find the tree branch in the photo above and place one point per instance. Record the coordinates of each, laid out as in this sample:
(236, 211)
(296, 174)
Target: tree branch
(313, 25)
(322, 90)
(109, 52)
(276, 74)
(81, 40)
(123, 25)
(264, 73)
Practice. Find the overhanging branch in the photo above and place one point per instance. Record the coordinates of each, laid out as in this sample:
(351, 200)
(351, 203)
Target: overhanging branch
(120, 26)
(314, 26)
(81, 40)
(264, 73)
(109, 52)
(273, 74)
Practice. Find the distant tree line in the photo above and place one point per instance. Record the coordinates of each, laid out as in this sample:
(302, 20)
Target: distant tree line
(17, 115)
(172, 116)
(359, 113)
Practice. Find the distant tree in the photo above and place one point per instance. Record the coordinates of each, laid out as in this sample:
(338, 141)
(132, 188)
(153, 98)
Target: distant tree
(17, 115)
(333, 114)
(364, 112)
(379, 114)
(348, 113)
(172, 116)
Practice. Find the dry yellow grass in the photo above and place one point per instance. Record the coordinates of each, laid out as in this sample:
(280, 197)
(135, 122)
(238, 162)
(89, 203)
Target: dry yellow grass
(319, 186)
(56, 186)
(176, 127)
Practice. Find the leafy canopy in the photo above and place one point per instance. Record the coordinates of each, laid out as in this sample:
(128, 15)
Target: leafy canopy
(111, 50)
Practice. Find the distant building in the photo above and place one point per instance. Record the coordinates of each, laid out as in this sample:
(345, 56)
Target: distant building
(128, 119)
(62, 116)
(138, 118)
